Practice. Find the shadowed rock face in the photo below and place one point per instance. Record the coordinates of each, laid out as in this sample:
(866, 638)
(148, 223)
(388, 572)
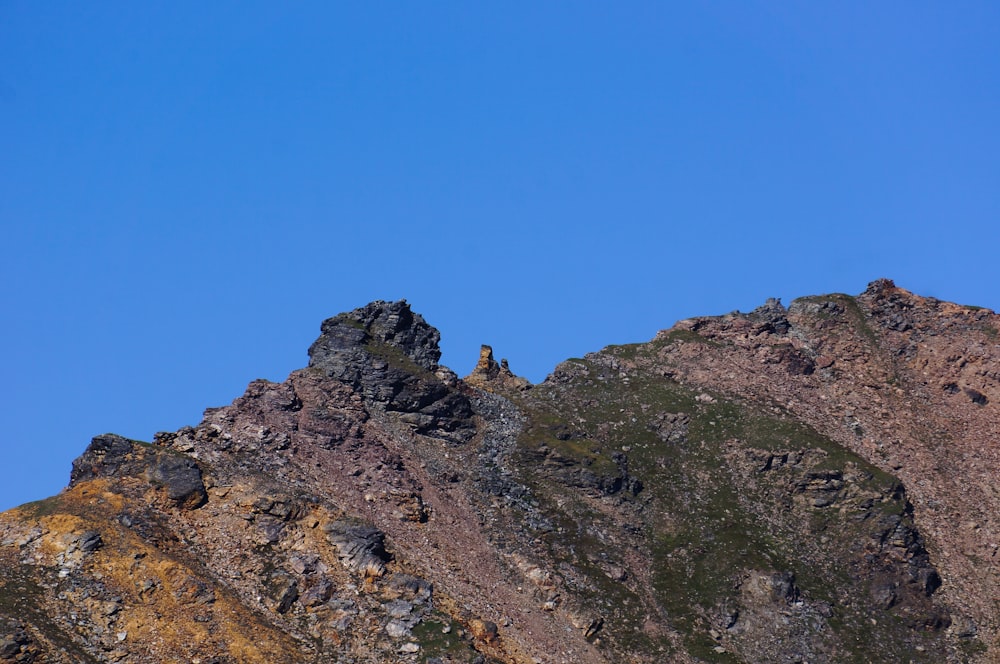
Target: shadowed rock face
(390, 355)
(340, 349)
(804, 484)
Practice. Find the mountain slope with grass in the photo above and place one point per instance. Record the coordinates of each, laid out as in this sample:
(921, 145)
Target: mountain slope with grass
(804, 484)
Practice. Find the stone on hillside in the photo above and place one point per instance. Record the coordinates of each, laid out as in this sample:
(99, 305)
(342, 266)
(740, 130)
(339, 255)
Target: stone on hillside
(412, 587)
(361, 548)
(180, 477)
(111, 455)
(107, 455)
(484, 630)
(488, 375)
(771, 317)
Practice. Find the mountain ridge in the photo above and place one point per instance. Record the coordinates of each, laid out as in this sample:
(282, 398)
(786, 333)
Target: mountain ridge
(810, 483)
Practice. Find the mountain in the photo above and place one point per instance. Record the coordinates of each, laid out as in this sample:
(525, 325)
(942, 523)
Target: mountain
(814, 483)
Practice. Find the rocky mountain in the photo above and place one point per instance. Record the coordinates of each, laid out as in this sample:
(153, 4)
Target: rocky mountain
(814, 483)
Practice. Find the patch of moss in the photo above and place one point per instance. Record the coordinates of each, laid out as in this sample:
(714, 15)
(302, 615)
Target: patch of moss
(438, 637)
(860, 320)
(705, 524)
(39, 508)
(972, 649)
(685, 336)
(851, 308)
(396, 358)
(345, 319)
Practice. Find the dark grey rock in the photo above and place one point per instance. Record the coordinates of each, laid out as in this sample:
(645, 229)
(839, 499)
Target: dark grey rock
(90, 541)
(884, 594)
(181, 477)
(270, 529)
(111, 455)
(771, 317)
(106, 456)
(976, 396)
(783, 587)
(390, 355)
(390, 323)
(285, 592)
(9, 648)
(361, 548)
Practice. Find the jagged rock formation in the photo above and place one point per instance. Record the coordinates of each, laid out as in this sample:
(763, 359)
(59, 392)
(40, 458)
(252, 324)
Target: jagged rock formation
(494, 377)
(390, 356)
(805, 484)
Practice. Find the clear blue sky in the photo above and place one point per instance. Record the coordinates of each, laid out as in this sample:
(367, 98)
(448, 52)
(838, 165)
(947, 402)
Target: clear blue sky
(187, 188)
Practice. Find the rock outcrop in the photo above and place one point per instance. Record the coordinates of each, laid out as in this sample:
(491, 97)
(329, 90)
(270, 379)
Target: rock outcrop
(390, 356)
(489, 375)
(811, 483)
(113, 456)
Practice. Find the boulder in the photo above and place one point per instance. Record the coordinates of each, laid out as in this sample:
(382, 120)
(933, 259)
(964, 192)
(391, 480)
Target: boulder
(180, 477)
(111, 456)
(361, 548)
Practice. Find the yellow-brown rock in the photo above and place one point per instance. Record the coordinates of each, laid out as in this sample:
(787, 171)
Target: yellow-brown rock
(493, 377)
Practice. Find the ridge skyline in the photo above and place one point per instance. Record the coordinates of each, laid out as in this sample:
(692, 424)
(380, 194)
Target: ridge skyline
(11, 498)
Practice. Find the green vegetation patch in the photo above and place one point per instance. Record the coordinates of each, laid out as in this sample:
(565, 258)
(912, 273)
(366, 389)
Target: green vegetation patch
(346, 319)
(683, 336)
(707, 516)
(439, 637)
(396, 358)
(45, 507)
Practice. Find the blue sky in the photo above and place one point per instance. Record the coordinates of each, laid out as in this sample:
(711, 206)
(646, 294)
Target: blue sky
(188, 189)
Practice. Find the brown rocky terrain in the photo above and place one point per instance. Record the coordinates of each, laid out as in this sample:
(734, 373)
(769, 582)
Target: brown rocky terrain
(810, 484)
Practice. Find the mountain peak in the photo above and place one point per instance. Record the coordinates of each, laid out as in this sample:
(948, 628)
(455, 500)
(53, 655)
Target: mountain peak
(810, 483)
(389, 355)
(380, 323)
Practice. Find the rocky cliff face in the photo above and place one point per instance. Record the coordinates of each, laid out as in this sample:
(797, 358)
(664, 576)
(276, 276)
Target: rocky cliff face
(810, 484)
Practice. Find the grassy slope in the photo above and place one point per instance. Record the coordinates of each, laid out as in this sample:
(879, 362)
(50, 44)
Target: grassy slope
(708, 521)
